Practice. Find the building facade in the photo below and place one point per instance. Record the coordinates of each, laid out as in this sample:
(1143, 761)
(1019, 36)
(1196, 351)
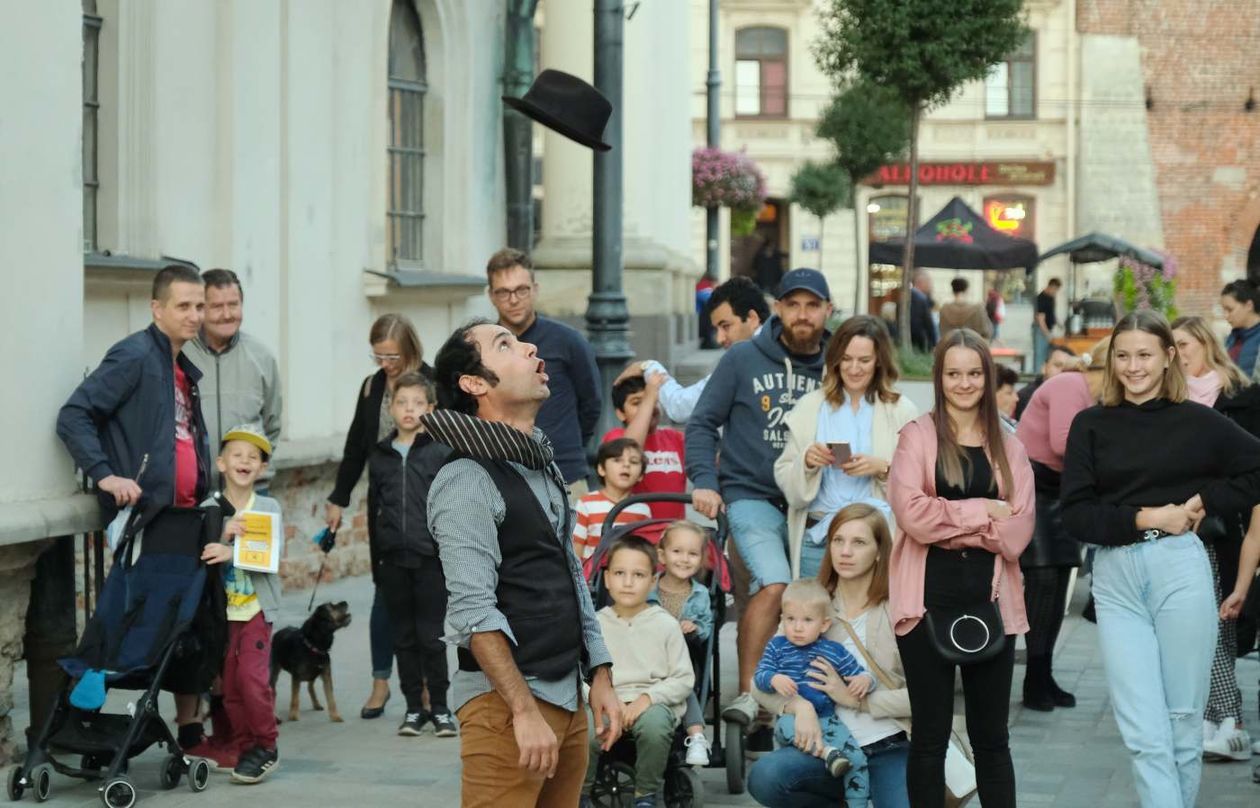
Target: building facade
(1125, 117)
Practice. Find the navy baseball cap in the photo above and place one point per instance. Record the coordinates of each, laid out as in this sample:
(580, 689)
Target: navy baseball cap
(811, 280)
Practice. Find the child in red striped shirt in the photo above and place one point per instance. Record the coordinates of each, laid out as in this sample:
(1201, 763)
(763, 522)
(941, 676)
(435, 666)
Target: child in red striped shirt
(619, 464)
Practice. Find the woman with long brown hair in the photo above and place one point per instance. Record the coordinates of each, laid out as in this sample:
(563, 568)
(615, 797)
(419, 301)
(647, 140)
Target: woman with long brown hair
(1213, 380)
(962, 492)
(1138, 474)
(396, 350)
(857, 409)
(859, 546)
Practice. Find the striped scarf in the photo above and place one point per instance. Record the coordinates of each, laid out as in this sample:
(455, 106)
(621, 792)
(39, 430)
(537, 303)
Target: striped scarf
(488, 440)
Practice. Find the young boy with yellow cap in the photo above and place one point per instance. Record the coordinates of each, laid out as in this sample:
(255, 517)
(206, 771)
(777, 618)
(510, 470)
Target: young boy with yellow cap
(253, 603)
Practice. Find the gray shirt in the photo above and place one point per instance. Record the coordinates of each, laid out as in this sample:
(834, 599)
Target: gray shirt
(465, 511)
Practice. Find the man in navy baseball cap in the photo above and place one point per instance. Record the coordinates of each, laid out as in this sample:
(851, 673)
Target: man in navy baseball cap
(810, 280)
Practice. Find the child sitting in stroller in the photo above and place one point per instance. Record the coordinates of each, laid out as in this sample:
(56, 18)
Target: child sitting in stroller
(651, 669)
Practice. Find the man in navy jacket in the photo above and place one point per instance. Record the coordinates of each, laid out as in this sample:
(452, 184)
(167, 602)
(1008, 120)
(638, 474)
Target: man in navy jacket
(142, 402)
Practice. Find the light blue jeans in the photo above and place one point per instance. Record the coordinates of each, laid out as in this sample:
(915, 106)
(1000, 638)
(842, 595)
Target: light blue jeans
(1157, 629)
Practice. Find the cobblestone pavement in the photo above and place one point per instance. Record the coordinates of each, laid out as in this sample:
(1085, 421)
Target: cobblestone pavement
(1065, 758)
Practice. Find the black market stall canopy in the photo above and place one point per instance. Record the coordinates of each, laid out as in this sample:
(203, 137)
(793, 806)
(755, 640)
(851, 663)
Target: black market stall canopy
(1095, 247)
(959, 238)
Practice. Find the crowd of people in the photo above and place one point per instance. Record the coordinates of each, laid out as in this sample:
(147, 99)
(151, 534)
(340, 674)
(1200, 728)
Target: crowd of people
(876, 553)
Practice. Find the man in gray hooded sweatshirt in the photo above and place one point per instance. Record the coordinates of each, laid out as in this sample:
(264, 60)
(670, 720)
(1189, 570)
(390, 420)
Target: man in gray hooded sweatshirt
(741, 417)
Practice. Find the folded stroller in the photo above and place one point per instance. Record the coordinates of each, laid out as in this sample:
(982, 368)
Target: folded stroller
(144, 619)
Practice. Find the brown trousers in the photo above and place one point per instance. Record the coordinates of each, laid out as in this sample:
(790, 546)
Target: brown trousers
(492, 777)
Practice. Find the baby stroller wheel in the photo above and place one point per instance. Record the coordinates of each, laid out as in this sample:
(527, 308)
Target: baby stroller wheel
(198, 774)
(614, 788)
(118, 793)
(16, 789)
(734, 752)
(41, 781)
(683, 789)
(172, 770)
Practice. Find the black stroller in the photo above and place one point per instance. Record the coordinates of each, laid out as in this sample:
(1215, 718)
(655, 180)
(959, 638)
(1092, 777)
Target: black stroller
(614, 784)
(143, 620)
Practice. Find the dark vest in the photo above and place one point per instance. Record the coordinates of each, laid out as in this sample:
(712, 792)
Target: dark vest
(536, 592)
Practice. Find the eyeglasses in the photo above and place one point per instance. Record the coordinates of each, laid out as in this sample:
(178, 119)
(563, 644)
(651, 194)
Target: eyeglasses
(519, 293)
(382, 358)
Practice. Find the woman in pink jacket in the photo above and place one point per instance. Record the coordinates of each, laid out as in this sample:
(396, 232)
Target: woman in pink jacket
(962, 492)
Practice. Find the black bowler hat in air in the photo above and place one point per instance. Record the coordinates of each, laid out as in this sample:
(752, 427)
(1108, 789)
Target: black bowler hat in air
(568, 105)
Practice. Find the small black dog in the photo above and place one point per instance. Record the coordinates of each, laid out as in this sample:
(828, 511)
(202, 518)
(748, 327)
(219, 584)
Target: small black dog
(303, 654)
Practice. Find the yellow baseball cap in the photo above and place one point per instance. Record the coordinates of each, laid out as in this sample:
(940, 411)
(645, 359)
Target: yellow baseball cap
(250, 435)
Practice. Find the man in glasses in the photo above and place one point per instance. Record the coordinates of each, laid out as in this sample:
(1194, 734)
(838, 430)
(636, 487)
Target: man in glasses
(570, 360)
(241, 379)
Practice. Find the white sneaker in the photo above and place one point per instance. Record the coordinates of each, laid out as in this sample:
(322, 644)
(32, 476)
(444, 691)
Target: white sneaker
(1229, 743)
(742, 710)
(1210, 728)
(697, 750)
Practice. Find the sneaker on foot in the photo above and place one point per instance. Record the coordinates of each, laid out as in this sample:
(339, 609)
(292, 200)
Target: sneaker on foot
(1229, 743)
(742, 710)
(697, 750)
(645, 801)
(256, 764)
(837, 764)
(1210, 728)
(444, 725)
(413, 723)
(1255, 748)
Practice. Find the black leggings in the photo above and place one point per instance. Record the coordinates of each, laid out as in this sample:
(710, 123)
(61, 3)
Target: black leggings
(1045, 598)
(416, 600)
(987, 693)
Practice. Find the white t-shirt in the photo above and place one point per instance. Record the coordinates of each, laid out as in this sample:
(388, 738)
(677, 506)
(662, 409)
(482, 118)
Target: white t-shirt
(866, 728)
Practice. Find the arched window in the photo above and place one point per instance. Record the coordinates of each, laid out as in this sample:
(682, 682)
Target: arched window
(761, 59)
(405, 215)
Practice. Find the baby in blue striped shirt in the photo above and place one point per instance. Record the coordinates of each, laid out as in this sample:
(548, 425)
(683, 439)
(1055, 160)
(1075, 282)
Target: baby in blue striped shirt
(785, 668)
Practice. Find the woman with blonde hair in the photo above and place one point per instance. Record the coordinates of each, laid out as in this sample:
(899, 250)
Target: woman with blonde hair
(1215, 381)
(1138, 473)
(858, 411)
(962, 492)
(395, 349)
(859, 548)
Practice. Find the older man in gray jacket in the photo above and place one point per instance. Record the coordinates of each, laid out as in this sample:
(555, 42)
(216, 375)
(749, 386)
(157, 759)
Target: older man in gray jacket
(241, 380)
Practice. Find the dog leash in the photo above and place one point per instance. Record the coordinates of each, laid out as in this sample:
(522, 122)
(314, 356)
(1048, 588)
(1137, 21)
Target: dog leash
(326, 539)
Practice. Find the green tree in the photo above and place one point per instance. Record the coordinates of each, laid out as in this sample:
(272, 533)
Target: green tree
(821, 189)
(868, 126)
(923, 50)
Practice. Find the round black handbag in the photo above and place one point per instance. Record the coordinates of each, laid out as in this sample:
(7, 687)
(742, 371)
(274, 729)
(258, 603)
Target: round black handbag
(966, 635)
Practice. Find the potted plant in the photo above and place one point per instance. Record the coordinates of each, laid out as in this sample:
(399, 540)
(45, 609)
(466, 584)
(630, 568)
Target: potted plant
(731, 180)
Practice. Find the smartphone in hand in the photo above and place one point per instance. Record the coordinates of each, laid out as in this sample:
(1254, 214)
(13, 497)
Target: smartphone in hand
(842, 452)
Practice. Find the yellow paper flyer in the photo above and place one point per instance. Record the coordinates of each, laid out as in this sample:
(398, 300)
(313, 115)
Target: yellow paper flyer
(259, 548)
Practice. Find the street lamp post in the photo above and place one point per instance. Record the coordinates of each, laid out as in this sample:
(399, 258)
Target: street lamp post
(713, 138)
(607, 318)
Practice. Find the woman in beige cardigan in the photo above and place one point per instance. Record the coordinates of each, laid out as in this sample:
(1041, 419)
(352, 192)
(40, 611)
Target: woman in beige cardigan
(856, 575)
(856, 405)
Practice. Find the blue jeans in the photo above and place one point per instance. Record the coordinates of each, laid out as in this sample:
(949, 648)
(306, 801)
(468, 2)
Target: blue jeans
(812, 557)
(1041, 348)
(760, 532)
(789, 778)
(380, 637)
(1157, 631)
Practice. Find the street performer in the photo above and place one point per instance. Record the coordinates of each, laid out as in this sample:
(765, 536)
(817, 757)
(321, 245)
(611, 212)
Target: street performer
(518, 606)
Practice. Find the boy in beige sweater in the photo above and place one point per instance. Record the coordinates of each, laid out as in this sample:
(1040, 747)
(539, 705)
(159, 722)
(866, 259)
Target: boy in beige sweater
(651, 669)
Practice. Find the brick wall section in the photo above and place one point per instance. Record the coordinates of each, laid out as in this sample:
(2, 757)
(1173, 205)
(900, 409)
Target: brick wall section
(302, 493)
(1198, 58)
(17, 568)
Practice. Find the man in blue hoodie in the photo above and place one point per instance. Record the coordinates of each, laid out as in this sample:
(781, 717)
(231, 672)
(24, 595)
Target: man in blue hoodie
(741, 417)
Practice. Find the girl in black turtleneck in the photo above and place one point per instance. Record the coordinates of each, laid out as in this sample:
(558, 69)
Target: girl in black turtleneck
(1139, 473)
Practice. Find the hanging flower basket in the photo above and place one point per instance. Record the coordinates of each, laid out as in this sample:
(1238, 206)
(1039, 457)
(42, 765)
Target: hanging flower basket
(722, 179)
(1142, 286)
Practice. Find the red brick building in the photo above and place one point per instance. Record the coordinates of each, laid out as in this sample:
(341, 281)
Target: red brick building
(1202, 75)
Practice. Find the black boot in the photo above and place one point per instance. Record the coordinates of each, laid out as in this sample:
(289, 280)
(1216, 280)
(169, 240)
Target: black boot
(1037, 695)
(1061, 697)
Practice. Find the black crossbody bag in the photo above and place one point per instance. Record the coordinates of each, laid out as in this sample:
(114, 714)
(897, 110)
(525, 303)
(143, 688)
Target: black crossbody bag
(962, 619)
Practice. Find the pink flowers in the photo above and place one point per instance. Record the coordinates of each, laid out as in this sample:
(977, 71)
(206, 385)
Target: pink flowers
(726, 179)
